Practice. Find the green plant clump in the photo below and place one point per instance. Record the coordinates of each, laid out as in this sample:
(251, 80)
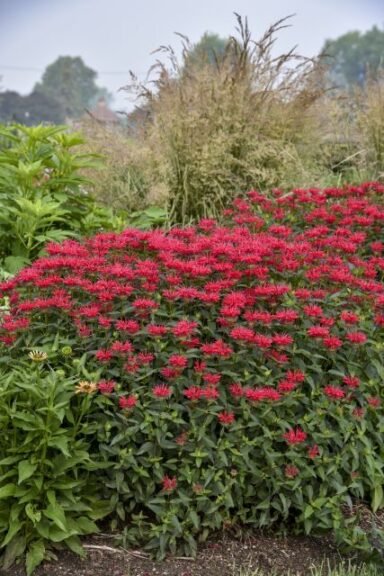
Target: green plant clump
(228, 374)
(43, 196)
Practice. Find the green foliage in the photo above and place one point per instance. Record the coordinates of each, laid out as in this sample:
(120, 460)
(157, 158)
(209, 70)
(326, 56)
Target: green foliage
(49, 495)
(71, 83)
(210, 49)
(233, 371)
(42, 193)
(355, 57)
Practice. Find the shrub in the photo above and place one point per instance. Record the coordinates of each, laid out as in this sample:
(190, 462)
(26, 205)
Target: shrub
(49, 492)
(42, 194)
(238, 364)
(217, 127)
(126, 180)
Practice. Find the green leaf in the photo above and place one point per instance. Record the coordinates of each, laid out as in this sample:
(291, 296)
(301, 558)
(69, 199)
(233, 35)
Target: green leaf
(35, 556)
(86, 525)
(308, 511)
(60, 442)
(33, 515)
(74, 544)
(14, 549)
(57, 515)
(194, 518)
(14, 528)
(26, 469)
(377, 497)
(7, 490)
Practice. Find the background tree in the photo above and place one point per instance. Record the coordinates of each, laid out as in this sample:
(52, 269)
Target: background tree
(354, 57)
(209, 49)
(35, 108)
(73, 84)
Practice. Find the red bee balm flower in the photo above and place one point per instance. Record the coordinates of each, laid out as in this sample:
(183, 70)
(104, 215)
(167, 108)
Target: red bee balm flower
(334, 392)
(106, 386)
(126, 402)
(194, 393)
(351, 381)
(162, 391)
(226, 417)
(291, 471)
(374, 401)
(178, 361)
(313, 451)
(169, 484)
(332, 342)
(356, 337)
(295, 436)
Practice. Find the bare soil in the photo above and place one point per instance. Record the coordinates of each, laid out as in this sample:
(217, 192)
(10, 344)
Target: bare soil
(221, 556)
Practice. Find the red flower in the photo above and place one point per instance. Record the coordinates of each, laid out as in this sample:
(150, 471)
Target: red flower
(356, 337)
(313, 451)
(182, 439)
(184, 328)
(313, 310)
(226, 417)
(258, 394)
(262, 341)
(194, 393)
(351, 381)
(211, 393)
(332, 342)
(126, 402)
(178, 361)
(106, 386)
(161, 391)
(318, 332)
(169, 484)
(374, 401)
(169, 373)
(286, 386)
(217, 348)
(103, 355)
(199, 367)
(122, 347)
(212, 378)
(156, 330)
(334, 392)
(291, 471)
(130, 326)
(296, 376)
(349, 317)
(236, 390)
(242, 333)
(282, 339)
(144, 303)
(295, 436)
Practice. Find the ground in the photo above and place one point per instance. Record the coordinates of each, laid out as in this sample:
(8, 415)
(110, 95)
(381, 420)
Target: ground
(222, 556)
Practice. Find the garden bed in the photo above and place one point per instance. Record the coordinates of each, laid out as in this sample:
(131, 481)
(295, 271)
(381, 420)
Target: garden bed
(221, 556)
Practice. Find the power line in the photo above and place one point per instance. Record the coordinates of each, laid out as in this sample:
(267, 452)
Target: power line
(32, 69)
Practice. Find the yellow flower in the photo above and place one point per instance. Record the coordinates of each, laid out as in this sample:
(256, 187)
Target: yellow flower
(37, 356)
(85, 387)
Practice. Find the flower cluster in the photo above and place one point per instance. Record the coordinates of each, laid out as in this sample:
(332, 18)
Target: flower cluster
(263, 329)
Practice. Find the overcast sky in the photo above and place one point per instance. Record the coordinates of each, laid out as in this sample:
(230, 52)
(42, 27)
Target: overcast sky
(115, 36)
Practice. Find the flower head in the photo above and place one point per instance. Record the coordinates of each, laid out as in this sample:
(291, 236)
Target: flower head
(169, 484)
(85, 387)
(37, 356)
(296, 436)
